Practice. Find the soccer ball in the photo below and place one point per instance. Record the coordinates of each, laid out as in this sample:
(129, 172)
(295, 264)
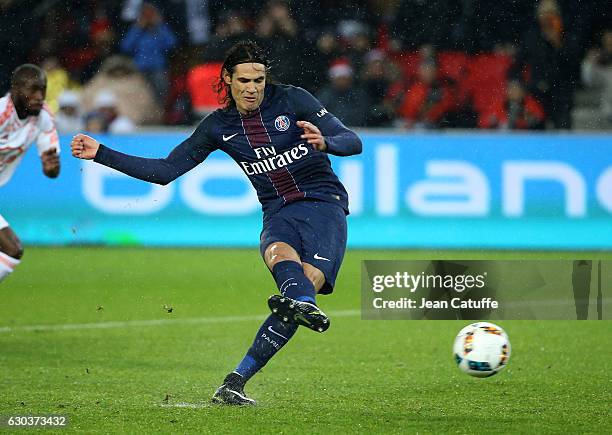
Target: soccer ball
(481, 349)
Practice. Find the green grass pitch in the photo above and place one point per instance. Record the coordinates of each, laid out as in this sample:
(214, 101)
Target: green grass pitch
(143, 369)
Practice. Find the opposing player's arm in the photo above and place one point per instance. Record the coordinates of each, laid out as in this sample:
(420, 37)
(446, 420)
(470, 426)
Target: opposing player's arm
(181, 159)
(50, 163)
(322, 129)
(48, 146)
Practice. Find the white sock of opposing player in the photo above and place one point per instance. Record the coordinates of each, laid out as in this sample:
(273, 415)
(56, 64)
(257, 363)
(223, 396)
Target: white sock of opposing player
(7, 264)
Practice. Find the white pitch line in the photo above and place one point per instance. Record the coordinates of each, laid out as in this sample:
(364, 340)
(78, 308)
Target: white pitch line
(150, 322)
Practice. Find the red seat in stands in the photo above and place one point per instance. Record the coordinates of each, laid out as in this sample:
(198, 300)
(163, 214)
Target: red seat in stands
(200, 81)
(486, 80)
(409, 62)
(453, 64)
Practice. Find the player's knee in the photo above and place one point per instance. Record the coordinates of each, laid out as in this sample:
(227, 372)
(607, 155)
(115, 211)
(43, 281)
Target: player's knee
(279, 251)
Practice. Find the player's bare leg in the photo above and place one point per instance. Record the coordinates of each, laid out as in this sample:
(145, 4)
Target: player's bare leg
(11, 251)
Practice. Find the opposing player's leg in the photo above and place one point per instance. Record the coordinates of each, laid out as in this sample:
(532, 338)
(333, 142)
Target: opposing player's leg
(11, 250)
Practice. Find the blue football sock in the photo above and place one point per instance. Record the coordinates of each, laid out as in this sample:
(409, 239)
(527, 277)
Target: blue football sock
(292, 282)
(272, 335)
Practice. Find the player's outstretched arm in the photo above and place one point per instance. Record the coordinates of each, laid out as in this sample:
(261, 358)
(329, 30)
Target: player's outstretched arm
(50, 163)
(159, 171)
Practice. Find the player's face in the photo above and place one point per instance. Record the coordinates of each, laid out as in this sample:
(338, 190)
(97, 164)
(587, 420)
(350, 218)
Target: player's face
(30, 95)
(247, 85)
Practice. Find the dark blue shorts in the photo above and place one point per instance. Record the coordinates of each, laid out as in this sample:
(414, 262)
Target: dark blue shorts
(316, 230)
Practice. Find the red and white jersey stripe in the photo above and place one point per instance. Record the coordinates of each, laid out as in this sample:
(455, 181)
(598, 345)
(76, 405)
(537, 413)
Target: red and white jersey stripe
(17, 135)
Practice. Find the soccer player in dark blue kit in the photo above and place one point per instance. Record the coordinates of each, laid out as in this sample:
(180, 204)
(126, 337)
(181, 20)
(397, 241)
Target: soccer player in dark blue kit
(280, 136)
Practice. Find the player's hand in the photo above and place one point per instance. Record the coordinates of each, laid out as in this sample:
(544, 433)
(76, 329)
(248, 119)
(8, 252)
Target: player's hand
(84, 147)
(51, 163)
(313, 135)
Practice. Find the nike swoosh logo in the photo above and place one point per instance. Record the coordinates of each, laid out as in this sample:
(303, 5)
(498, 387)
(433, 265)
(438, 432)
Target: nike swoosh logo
(226, 138)
(317, 257)
(274, 332)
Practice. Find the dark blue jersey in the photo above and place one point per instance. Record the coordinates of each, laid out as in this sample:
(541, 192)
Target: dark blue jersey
(267, 146)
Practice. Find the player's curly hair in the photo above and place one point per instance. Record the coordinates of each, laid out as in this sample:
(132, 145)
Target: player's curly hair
(241, 52)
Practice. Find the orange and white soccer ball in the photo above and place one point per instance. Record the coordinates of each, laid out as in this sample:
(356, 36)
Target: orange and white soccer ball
(481, 349)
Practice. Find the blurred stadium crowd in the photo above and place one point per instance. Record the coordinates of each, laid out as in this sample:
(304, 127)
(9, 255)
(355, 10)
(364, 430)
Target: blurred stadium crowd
(114, 65)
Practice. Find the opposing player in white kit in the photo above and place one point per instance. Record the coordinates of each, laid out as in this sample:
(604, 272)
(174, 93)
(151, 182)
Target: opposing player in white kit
(24, 119)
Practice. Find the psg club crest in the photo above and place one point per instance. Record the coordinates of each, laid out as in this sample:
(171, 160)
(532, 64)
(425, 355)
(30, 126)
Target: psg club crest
(281, 123)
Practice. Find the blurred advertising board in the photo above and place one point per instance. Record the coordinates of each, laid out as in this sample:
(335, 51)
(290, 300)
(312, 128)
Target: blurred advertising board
(441, 190)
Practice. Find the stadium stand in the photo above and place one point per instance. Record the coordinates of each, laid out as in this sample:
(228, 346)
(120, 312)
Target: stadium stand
(477, 48)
